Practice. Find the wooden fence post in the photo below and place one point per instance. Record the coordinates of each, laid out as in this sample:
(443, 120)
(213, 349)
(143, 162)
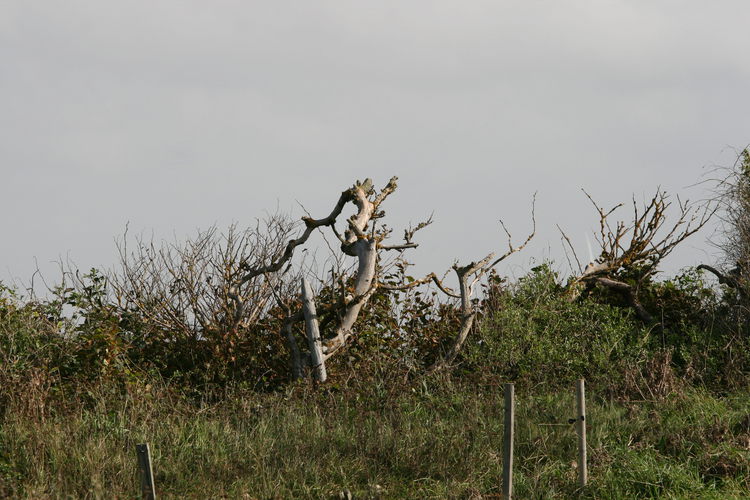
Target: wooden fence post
(509, 424)
(146, 473)
(581, 428)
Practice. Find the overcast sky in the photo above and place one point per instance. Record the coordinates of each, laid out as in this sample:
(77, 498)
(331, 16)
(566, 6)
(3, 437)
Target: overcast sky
(175, 115)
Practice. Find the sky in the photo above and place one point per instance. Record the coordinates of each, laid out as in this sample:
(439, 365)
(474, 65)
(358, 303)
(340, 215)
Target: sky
(171, 116)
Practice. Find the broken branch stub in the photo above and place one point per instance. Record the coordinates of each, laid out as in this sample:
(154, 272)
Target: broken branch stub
(313, 332)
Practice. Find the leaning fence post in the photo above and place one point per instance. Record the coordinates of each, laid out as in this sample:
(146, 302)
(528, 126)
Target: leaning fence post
(581, 428)
(146, 473)
(509, 424)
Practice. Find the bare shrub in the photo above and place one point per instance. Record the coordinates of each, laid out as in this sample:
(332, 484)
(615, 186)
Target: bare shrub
(196, 295)
(733, 196)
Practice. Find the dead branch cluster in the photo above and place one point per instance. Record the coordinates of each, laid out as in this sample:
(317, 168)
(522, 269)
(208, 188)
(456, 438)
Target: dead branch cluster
(637, 246)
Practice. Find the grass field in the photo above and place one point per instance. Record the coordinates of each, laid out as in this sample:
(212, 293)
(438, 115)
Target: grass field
(427, 438)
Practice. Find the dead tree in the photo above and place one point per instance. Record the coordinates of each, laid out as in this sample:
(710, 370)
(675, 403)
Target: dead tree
(360, 239)
(366, 242)
(468, 277)
(636, 247)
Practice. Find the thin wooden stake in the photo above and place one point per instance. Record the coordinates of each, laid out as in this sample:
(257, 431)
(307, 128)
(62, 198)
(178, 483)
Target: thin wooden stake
(581, 428)
(509, 425)
(146, 473)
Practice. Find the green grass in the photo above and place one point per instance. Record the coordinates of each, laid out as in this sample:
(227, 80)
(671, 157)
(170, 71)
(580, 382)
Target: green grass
(431, 438)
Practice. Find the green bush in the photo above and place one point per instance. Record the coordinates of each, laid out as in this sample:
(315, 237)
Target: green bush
(536, 334)
(702, 328)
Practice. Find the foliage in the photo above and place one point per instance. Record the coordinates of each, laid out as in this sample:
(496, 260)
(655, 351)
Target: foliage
(408, 328)
(698, 323)
(536, 334)
(528, 330)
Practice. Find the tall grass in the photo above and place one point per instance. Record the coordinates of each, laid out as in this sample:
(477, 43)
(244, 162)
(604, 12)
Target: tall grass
(431, 438)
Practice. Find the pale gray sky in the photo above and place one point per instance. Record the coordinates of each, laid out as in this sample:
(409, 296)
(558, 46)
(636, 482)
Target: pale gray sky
(174, 115)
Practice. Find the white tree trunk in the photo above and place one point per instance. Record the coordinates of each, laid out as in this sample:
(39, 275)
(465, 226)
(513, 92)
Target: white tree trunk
(313, 332)
(366, 251)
